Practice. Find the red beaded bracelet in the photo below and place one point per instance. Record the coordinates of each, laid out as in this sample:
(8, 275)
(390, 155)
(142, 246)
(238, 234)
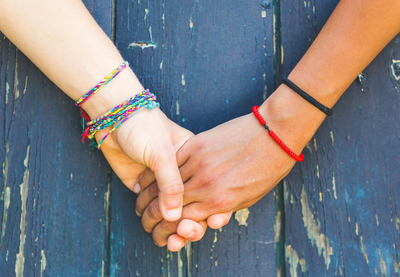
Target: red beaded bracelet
(272, 134)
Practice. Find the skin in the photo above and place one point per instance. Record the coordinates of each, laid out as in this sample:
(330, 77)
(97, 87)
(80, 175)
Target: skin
(220, 177)
(234, 165)
(73, 51)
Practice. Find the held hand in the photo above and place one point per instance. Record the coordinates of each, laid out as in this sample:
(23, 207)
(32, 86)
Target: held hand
(225, 169)
(149, 140)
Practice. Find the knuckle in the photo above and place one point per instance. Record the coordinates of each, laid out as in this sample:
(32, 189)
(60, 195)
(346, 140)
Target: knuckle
(169, 227)
(159, 241)
(153, 190)
(220, 204)
(208, 180)
(175, 188)
(154, 210)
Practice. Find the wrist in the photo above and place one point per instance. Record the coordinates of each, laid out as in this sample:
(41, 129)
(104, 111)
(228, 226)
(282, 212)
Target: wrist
(123, 87)
(292, 118)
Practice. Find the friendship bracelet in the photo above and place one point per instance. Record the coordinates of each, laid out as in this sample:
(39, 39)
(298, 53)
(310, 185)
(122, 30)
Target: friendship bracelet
(100, 85)
(119, 114)
(149, 106)
(275, 137)
(307, 97)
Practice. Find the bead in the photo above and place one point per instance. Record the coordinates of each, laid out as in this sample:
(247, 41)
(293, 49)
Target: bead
(275, 137)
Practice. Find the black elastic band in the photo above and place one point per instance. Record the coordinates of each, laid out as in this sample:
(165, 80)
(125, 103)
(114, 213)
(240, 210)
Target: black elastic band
(307, 97)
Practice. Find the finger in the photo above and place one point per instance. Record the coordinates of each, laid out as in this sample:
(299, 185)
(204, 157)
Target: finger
(170, 185)
(218, 220)
(176, 243)
(188, 229)
(145, 198)
(191, 230)
(183, 154)
(151, 216)
(163, 230)
(151, 192)
(145, 179)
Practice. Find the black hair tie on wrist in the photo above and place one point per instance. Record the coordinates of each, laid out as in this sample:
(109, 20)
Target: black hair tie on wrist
(307, 97)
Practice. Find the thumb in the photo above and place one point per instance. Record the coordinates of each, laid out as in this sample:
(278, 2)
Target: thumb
(170, 186)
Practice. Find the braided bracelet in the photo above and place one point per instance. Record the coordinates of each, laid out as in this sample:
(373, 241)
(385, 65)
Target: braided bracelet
(118, 115)
(307, 97)
(275, 137)
(100, 85)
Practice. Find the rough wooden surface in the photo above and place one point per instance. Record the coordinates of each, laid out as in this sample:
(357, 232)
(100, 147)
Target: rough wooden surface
(53, 188)
(208, 62)
(62, 213)
(341, 203)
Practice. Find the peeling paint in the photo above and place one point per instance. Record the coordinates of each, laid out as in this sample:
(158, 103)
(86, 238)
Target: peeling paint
(20, 259)
(215, 237)
(363, 248)
(315, 145)
(282, 54)
(332, 138)
(180, 264)
(356, 228)
(382, 265)
(161, 64)
(277, 226)
(263, 14)
(292, 259)
(314, 230)
(361, 80)
(318, 172)
(241, 216)
(146, 12)
(377, 221)
(151, 34)
(396, 69)
(302, 263)
(334, 185)
(7, 92)
(309, 147)
(6, 195)
(183, 80)
(43, 263)
(16, 80)
(143, 45)
(189, 259)
(191, 23)
(177, 107)
(396, 265)
(26, 84)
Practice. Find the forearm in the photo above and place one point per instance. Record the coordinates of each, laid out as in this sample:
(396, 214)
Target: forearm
(353, 36)
(65, 42)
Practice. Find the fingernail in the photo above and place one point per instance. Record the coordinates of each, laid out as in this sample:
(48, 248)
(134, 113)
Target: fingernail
(173, 214)
(190, 235)
(136, 188)
(138, 214)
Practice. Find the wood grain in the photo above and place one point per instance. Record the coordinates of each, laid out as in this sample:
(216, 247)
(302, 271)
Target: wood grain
(341, 203)
(208, 62)
(53, 188)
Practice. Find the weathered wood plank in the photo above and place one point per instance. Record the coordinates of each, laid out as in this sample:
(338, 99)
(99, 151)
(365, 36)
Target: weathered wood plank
(208, 62)
(53, 187)
(341, 203)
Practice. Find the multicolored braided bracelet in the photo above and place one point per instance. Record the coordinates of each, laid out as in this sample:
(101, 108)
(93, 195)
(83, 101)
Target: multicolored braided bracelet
(118, 114)
(100, 85)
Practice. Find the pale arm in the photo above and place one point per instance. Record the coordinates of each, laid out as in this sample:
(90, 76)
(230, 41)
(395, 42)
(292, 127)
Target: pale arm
(65, 42)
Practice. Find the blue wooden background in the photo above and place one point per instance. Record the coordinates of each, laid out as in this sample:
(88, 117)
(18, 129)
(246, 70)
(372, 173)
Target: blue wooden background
(64, 213)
